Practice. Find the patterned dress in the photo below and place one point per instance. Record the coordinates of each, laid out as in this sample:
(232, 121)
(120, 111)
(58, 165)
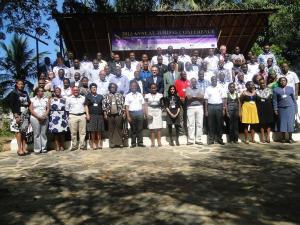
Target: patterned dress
(58, 121)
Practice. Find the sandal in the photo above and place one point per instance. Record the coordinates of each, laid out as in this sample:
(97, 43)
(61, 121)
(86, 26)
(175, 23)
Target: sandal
(21, 154)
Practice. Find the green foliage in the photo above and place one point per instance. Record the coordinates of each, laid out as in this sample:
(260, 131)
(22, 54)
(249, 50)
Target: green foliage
(5, 129)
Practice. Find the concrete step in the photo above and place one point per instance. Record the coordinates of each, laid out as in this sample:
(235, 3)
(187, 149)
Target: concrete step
(147, 142)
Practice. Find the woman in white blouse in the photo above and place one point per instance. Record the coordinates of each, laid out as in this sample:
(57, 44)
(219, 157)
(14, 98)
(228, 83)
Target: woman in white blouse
(154, 114)
(39, 109)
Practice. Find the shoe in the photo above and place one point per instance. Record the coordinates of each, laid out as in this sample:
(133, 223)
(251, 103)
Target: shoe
(283, 141)
(199, 143)
(221, 142)
(44, 151)
(159, 145)
(21, 154)
(172, 143)
(133, 146)
(236, 142)
(189, 143)
(74, 148)
(141, 145)
(83, 149)
(210, 143)
(152, 146)
(291, 141)
(177, 142)
(268, 141)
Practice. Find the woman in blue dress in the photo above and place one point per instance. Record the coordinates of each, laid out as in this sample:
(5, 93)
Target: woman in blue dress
(284, 104)
(58, 121)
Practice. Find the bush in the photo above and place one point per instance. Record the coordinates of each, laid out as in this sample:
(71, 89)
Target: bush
(275, 49)
(5, 129)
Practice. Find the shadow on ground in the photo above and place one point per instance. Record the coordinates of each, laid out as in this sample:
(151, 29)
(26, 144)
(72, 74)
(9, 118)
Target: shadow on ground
(233, 187)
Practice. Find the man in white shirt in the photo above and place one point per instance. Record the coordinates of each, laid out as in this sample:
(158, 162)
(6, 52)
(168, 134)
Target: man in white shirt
(78, 114)
(85, 63)
(198, 58)
(215, 108)
(247, 75)
(237, 55)
(75, 69)
(102, 63)
(135, 112)
(221, 69)
(212, 60)
(183, 57)
(102, 83)
(169, 54)
(59, 66)
(207, 73)
(134, 63)
(228, 64)
(159, 53)
(93, 73)
(127, 70)
(292, 78)
(253, 66)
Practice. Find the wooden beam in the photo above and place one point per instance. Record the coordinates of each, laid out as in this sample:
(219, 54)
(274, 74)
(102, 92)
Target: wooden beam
(235, 18)
(82, 36)
(254, 31)
(243, 30)
(95, 34)
(68, 33)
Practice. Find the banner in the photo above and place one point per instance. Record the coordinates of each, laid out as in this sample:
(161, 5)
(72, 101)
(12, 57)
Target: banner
(152, 39)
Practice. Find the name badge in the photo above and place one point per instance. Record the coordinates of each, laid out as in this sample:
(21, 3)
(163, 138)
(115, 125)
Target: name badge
(173, 106)
(113, 103)
(183, 89)
(252, 102)
(95, 104)
(283, 96)
(263, 100)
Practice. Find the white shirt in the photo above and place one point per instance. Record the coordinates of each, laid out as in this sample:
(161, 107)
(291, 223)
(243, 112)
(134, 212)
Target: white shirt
(214, 95)
(153, 100)
(102, 87)
(75, 105)
(93, 75)
(248, 76)
(253, 68)
(134, 101)
(72, 72)
(57, 68)
(154, 60)
(208, 75)
(86, 65)
(223, 86)
(129, 73)
(191, 74)
(184, 58)
(229, 65)
(66, 92)
(212, 62)
(102, 64)
(135, 65)
(39, 105)
(292, 79)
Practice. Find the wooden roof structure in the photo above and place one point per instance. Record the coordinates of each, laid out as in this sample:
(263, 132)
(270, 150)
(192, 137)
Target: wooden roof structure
(90, 33)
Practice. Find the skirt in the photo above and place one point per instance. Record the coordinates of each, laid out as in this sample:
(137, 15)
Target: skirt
(95, 124)
(155, 122)
(21, 127)
(286, 119)
(249, 113)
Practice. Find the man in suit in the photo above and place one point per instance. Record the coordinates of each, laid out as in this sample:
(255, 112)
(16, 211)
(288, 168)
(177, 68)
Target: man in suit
(170, 77)
(154, 78)
(69, 62)
(179, 66)
(162, 68)
(113, 65)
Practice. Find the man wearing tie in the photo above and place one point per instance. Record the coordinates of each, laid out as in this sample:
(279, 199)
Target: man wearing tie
(170, 77)
(154, 79)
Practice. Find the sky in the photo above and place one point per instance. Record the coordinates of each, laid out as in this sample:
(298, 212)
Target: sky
(51, 48)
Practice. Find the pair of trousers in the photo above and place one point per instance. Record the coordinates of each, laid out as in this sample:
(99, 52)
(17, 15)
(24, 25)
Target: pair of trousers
(39, 134)
(215, 122)
(115, 128)
(136, 128)
(195, 123)
(233, 125)
(77, 124)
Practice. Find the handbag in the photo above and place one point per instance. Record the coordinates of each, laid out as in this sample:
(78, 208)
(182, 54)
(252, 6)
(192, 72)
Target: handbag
(125, 131)
(29, 135)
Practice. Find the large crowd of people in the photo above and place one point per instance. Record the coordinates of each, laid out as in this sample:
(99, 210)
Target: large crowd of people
(194, 95)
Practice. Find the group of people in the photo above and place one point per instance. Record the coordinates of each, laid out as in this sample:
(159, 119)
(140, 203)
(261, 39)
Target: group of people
(192, 94)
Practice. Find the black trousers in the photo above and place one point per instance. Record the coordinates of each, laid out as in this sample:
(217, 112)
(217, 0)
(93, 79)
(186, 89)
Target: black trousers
(136, 128)
(233, 124)
(215, 122)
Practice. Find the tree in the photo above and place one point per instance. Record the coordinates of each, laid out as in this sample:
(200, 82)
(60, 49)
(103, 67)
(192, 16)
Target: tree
(18, 62)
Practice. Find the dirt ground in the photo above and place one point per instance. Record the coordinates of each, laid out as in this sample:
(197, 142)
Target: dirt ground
(234, 184)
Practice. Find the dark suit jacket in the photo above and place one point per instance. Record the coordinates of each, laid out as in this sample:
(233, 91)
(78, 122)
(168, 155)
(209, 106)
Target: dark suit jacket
(43, 69)
(112, 66)
(159, 83)
(180, 66)
(161, 69)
